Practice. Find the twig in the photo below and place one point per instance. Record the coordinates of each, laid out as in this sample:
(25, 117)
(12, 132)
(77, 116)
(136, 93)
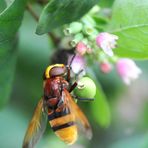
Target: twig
(36, 17)
(29, 8)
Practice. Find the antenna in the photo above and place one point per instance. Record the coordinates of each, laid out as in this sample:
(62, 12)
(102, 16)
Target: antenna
(69, 67)
(72, 60)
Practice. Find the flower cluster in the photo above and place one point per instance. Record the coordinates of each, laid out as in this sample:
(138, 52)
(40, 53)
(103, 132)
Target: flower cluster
(88, 40)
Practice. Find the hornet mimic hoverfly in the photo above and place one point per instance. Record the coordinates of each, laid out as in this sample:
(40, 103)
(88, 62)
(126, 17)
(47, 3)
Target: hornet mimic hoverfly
(58, 106)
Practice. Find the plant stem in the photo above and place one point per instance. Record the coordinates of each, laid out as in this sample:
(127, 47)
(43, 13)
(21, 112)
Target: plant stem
(36, 17)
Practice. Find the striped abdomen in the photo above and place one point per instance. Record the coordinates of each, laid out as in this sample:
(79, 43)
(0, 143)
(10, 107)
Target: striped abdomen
(63, 124)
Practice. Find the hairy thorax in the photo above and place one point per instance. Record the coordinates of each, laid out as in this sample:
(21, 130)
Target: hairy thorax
(53, 90)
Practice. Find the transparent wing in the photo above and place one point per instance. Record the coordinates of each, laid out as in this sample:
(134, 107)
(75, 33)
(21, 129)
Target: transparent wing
(79, 115)
(36, 126)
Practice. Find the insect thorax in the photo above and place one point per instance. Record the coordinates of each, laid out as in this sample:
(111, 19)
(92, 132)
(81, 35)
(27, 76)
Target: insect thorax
(53, 91)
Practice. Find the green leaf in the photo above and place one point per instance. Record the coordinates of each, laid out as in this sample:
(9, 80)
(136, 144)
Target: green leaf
(59, 12)
(10, 20)
(100, 107)
(130, 23)
(2, 5)
(106, 3)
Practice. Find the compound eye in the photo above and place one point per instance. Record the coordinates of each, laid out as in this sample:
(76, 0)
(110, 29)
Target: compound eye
(57, 71)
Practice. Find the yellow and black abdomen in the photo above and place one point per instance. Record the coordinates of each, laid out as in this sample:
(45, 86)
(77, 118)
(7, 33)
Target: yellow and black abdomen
(63, 124)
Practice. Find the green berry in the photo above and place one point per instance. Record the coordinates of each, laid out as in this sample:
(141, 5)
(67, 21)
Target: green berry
(86, 88)
(73, 28)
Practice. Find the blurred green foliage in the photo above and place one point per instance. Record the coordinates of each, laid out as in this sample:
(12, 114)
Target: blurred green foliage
(128, 118)
(106, 3)
(2, 5)
(57, 13)
(10, 20)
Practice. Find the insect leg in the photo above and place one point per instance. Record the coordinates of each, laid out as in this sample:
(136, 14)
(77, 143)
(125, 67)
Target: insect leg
(68, 73)
(83, 99)
(69, 68)
(73, 86)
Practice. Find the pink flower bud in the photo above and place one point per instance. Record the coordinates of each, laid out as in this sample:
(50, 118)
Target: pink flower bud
(81, 48)
(127, 70)
(105, 67)
(107, 42)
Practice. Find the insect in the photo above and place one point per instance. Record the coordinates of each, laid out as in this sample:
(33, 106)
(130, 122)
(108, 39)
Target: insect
(58, 107)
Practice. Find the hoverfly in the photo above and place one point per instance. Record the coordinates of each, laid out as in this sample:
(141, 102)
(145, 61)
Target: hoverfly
(58, 105)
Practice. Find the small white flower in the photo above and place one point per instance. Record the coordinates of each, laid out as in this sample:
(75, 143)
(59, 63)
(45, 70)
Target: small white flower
(78, 64)
(107, 42)
(128, 70)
